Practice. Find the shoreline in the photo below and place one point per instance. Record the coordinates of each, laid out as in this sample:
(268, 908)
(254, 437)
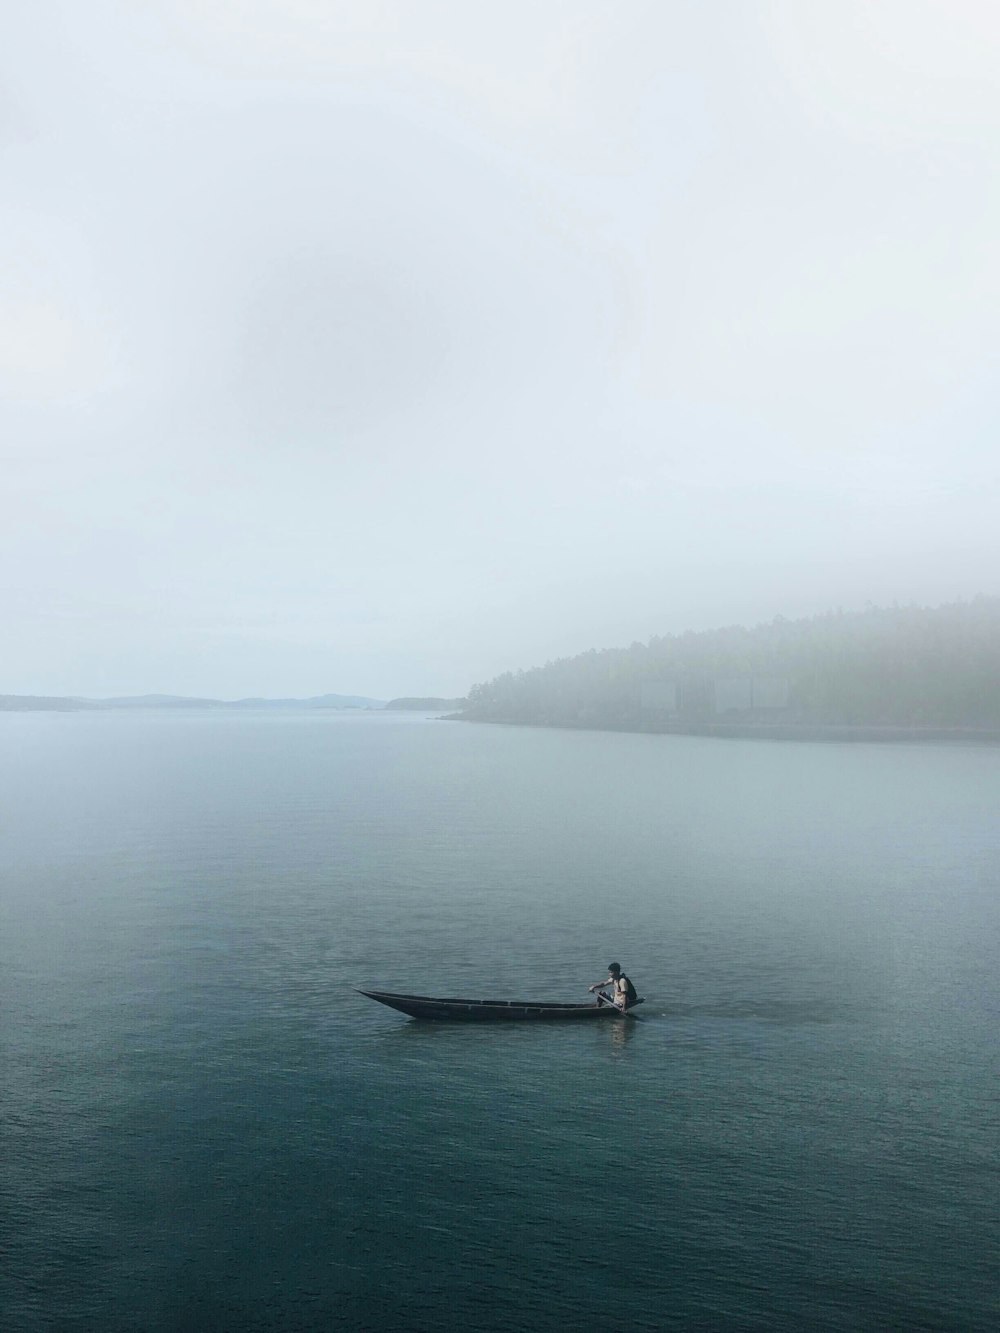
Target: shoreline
(765, 731)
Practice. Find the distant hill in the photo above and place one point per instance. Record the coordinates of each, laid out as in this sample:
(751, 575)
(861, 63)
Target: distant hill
(895, 669)
(153, 701)
(318, 701)
(425, 705)
(29, 703)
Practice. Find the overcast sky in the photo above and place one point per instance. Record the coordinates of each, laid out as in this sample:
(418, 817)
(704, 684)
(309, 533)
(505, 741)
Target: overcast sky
(380, 346)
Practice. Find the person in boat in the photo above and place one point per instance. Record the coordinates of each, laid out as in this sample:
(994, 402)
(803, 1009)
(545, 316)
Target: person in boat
(622, 990)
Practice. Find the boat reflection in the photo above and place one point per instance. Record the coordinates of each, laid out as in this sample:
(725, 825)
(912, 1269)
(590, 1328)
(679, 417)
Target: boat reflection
(413, 1034)
(621, 1034)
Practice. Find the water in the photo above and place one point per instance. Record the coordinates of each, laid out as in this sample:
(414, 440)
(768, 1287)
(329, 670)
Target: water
(204, 1128)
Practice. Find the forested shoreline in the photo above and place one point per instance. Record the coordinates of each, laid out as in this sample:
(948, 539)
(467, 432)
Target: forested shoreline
(889, 673)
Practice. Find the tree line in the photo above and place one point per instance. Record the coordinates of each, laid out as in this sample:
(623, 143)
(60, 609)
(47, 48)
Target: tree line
(898, 666)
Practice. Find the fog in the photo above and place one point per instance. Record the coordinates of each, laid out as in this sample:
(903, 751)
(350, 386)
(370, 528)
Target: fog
(379, 347)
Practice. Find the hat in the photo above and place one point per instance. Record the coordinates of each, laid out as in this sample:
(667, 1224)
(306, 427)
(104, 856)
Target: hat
(614, 967)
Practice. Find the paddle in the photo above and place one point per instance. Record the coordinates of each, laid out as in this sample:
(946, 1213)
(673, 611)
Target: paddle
(608, 1000)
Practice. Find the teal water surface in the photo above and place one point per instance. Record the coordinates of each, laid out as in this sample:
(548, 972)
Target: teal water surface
(204, 1127)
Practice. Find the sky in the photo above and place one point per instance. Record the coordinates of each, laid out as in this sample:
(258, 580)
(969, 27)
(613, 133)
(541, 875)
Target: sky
(381, 346)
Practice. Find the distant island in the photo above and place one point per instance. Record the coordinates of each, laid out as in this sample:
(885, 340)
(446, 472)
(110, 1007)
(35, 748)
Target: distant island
(880, 674)
(30, 702)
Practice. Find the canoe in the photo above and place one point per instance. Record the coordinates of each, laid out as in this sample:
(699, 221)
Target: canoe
(490, 1011)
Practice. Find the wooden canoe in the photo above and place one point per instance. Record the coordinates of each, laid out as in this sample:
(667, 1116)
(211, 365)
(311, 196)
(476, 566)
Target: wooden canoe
(491, 1011)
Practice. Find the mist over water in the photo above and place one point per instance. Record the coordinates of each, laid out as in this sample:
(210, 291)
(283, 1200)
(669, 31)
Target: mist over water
(206, 1127)
(386, 348)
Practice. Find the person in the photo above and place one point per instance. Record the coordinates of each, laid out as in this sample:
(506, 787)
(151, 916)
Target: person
(622, 990)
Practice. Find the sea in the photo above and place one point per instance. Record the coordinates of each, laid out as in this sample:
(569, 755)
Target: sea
(206, 1127)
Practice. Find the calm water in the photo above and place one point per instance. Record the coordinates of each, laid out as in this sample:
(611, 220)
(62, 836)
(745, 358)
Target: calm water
(204, 1128)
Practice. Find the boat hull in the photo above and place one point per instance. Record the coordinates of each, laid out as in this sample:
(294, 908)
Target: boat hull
(492, 1011)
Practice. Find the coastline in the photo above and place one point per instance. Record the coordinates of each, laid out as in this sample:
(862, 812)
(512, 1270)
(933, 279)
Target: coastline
(765, 731)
